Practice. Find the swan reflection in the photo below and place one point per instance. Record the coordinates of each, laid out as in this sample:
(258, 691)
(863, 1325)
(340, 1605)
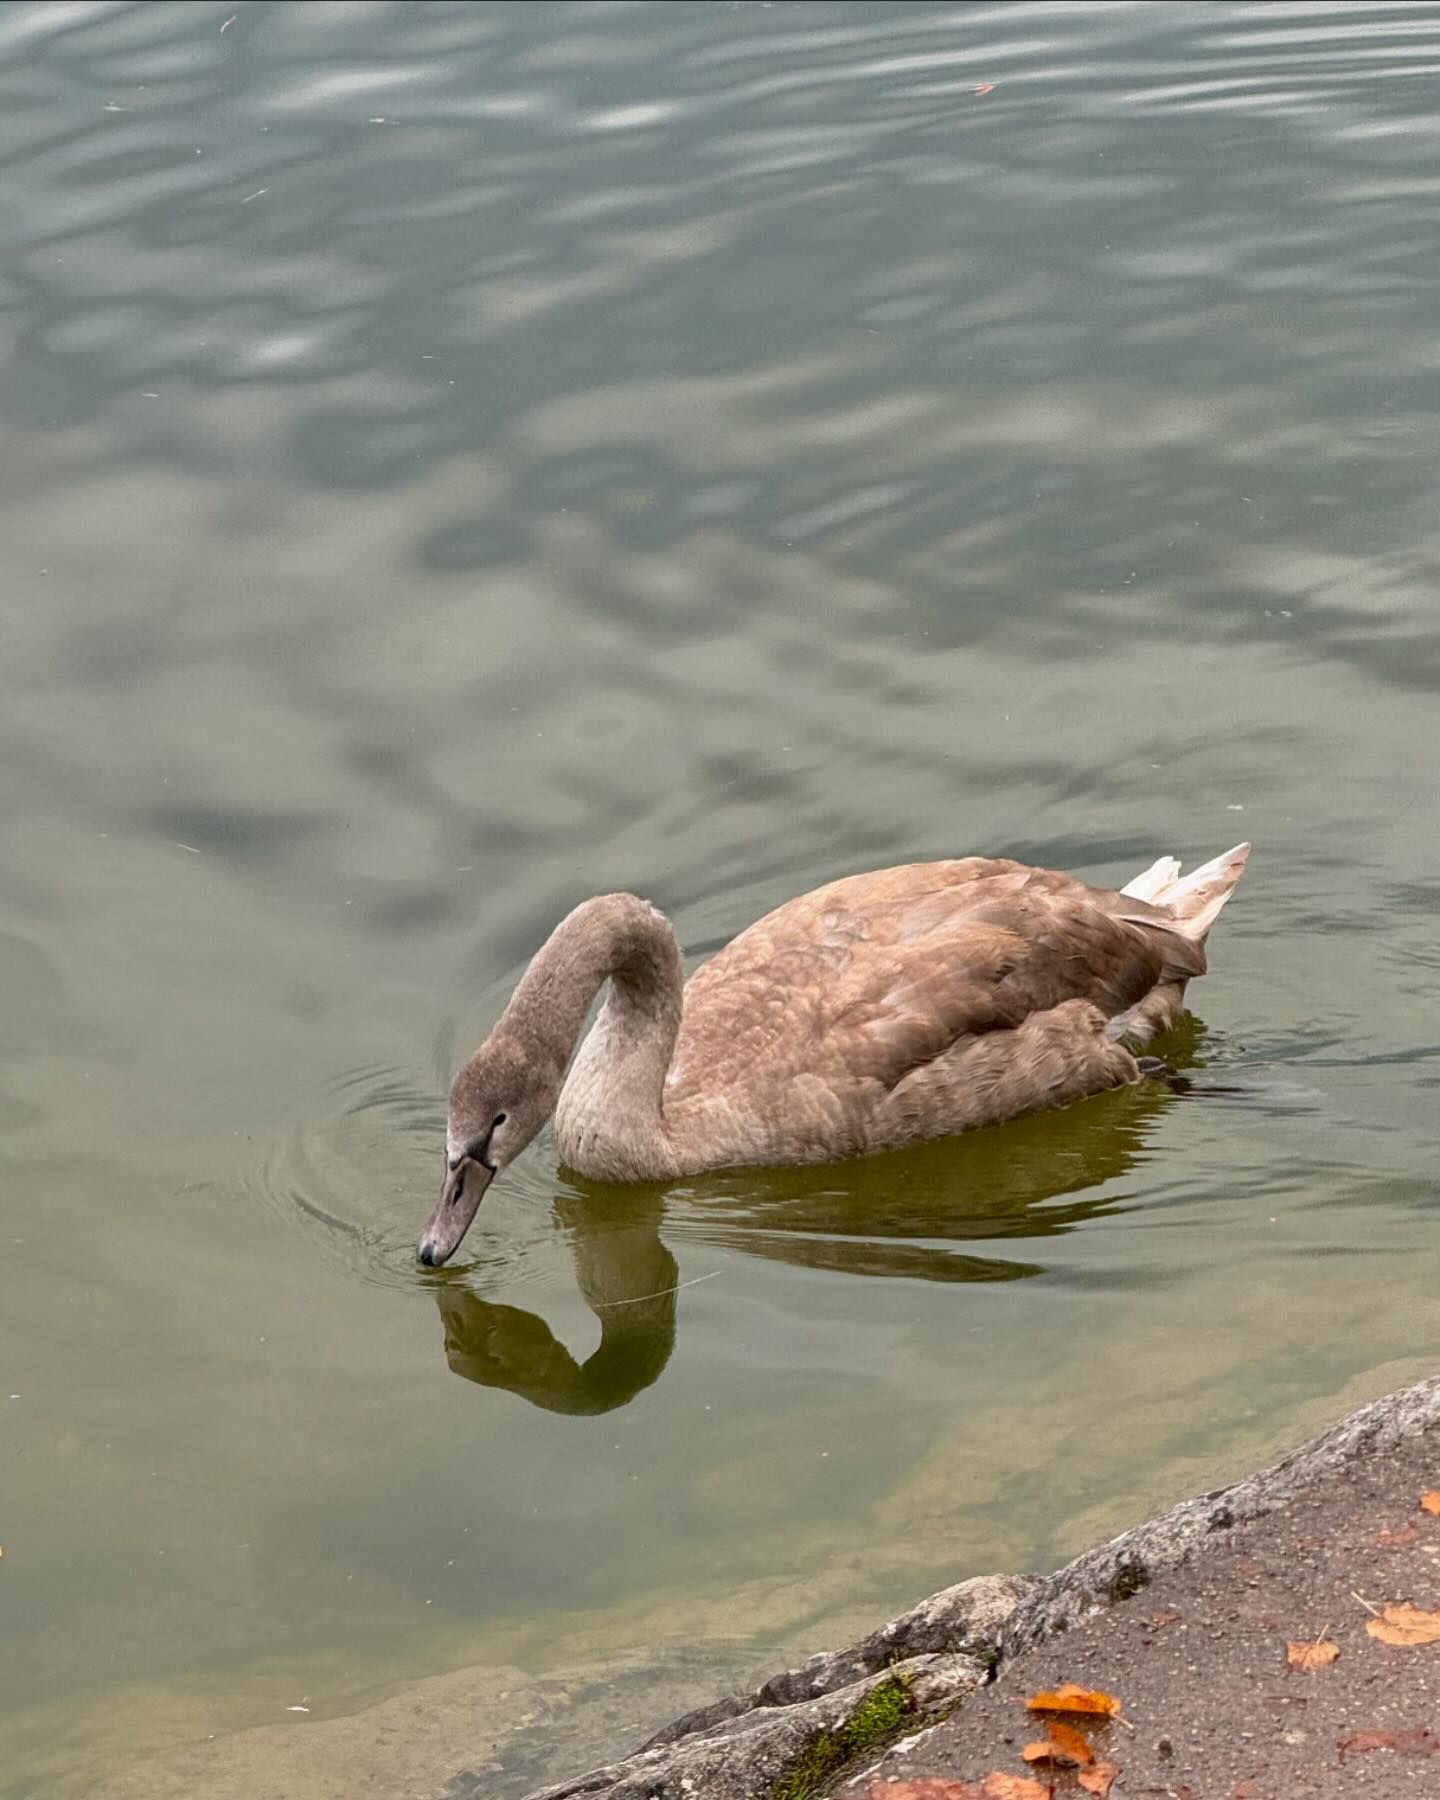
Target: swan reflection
(628, 1279)
(917, 1214)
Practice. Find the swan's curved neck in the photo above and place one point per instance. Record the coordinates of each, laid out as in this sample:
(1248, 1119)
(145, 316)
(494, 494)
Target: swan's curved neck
(609, 1119)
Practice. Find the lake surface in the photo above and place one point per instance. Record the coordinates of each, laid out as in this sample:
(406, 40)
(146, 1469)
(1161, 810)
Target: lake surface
(460, 458)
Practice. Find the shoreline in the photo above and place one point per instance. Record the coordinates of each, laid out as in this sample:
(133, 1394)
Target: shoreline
(893, 1709)
(509, 1719)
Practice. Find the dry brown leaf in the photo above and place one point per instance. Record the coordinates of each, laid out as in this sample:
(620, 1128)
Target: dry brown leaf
(1069, 1698)
(1405, 1625)
(1167, 1615)
(1356, 1741)
(1404, 1743)
(1401, 1539)
(1431, 1502)
(1417, 1741)
(1047, 1750)
(997, 1785)
(1246, 1790)
(1099, 1779)
(1308, 1657)
(1075, 1744)
(1042, 1750)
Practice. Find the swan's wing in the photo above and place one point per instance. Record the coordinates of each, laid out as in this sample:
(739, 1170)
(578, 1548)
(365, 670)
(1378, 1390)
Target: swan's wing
(868, 979)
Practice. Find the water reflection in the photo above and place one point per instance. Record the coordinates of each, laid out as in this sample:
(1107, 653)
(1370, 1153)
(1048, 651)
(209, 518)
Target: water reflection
(906, 1214)
(628, 1279)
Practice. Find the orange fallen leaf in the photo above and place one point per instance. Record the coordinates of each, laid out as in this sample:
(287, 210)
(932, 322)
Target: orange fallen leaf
(1405, 1624)
(1098, 1780)
(1069, 1698)
(1318, 1653)
(1043, 1751)
(1398, 1540)
(1431, 1502)
(997, 1785)
(1064, 1745)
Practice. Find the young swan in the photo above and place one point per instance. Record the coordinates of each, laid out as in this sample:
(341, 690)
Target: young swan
(876, 1011)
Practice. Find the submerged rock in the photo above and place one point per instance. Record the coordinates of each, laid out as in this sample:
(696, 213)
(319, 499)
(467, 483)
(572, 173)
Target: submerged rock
(806, 1725)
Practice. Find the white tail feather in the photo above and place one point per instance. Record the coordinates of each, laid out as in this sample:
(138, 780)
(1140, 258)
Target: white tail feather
(1193, 901)
(1160, 874)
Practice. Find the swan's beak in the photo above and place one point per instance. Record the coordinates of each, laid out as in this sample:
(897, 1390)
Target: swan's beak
(460, 1199)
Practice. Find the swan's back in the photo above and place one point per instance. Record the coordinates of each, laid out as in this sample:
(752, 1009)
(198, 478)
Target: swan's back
(862, 1013)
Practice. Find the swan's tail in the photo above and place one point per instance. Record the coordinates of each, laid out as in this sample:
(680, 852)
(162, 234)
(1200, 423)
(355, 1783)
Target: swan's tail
(1193, 901)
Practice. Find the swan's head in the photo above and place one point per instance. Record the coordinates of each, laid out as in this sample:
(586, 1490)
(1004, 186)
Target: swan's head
(496, 1106)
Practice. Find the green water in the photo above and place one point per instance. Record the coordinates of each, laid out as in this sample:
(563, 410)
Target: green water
(456, 459)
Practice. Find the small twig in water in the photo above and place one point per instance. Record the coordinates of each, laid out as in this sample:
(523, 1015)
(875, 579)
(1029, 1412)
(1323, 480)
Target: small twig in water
(694, 1281)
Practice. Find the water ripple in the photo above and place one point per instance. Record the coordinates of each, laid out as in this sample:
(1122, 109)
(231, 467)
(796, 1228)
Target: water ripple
(356, 1173)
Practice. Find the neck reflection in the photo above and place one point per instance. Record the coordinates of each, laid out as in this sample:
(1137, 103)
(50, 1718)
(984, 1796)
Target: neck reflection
(628, 1279)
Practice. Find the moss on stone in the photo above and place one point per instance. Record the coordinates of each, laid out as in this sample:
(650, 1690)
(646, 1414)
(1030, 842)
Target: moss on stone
(878, 1718)
(1127, 1581)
